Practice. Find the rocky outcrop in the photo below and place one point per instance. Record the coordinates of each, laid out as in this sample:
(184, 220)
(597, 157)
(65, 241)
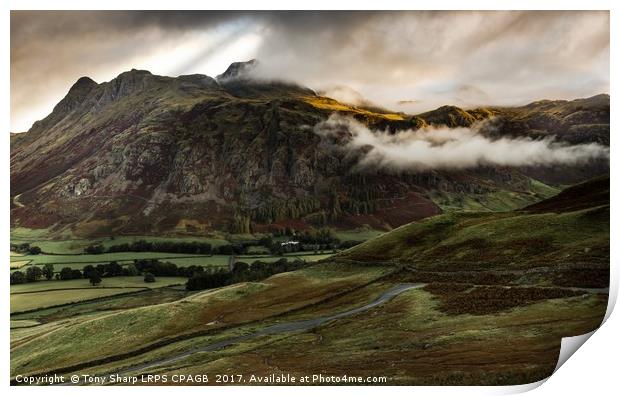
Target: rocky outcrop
(238, 70)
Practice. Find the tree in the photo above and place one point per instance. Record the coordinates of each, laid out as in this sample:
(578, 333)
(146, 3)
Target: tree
(113, 269)
(241, 272)
(130, 270)
(94, 249)
(148, 277)
(33, 274)
(66, 273)
(48, 271)
(34, 250)
(88, 269)
(100, 268)
(17, 277)
(94, 278)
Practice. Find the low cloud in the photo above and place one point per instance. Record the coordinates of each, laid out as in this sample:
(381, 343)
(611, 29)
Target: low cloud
(448, 148)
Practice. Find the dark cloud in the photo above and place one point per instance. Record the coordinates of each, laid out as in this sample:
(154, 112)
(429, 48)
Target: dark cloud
(438, 57)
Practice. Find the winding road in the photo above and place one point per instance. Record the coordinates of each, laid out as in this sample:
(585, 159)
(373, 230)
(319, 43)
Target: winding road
(303, 325)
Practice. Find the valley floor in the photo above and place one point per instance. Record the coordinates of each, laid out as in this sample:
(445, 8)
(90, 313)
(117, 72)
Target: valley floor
(415, 337)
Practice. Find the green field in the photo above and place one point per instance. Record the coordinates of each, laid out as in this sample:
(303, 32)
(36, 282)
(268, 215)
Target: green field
(17, 264)
(43, 294)
(121, 257)
(116, 282)
(357, 235)
(17, 324)
(181, 260)
(68, 252)
(66, 244)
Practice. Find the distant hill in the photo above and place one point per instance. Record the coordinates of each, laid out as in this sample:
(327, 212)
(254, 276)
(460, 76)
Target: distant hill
(145, 154)
(572, 227)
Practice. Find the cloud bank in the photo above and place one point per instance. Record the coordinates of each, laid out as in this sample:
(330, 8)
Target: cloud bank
(448, 148)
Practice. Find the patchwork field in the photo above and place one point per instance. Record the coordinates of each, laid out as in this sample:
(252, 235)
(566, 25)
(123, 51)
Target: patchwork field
(17, 264)
(79, 259)
(43, 294)
(68, 244)
(123, 258)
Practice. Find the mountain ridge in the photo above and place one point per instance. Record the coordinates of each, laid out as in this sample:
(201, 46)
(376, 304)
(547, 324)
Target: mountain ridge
(148, 153)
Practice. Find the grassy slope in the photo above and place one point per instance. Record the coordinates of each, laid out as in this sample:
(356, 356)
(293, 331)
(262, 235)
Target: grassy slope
(410, 340)
(333, 105)
(496, 201)
(135, 328)
(543, 234)
(412, 343)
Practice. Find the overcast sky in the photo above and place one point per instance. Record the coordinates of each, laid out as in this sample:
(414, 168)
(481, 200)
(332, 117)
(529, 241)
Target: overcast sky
(408, 61)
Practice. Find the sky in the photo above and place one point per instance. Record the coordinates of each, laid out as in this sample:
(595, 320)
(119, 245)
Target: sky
(410, 61)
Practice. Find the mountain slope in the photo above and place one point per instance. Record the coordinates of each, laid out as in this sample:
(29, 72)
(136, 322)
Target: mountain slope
(149, 154)
(570, 228)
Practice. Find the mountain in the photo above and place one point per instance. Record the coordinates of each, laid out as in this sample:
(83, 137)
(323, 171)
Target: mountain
(145, 154)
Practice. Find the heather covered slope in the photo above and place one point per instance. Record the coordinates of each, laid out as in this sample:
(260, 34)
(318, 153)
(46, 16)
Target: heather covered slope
(146, 154)
(569, 229)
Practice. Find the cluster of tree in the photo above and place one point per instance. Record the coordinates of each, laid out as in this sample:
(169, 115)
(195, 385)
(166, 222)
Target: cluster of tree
(163, 268)
(360, 198)
(109, 270)
(32, 274)
(146, 246)
(323, 236)
(312, 240)
(169, 247)
(241, 224)
(292, 209)
(232, 248)
(242, 272)
(68, 273)
(96, 273)
(25, 248)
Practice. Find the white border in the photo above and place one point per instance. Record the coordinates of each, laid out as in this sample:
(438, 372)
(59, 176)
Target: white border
(593, 369)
